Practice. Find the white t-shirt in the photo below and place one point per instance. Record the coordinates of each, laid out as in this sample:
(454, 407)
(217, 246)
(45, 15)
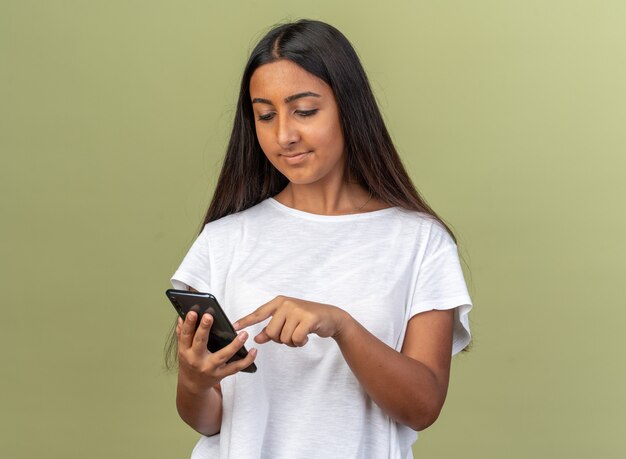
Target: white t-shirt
(382, 267)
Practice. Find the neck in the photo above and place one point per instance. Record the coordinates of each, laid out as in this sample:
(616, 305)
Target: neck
(340, 199)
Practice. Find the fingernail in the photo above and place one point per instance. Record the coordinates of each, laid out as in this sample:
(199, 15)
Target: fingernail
(236, 325)
(206, 319)
(252, 352)
(191, 315)
(242, 336)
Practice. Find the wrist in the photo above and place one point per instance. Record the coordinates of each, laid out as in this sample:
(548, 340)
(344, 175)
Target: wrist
(193, 388)
(345, 324)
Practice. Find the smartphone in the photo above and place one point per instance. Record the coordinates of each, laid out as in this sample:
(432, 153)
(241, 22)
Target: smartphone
(222, 332)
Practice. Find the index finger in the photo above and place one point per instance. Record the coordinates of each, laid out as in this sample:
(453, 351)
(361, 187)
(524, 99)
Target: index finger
(258, 315)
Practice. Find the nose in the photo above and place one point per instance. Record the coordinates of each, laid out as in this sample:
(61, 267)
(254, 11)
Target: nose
(287, 134)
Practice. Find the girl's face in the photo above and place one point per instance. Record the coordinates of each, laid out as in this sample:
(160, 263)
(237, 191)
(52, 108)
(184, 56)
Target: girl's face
(297, 123)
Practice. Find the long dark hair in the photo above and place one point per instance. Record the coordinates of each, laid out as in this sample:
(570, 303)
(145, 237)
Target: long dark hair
(247, 177)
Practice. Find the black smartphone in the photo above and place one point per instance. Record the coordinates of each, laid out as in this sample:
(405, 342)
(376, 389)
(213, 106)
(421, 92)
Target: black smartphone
(222, 332)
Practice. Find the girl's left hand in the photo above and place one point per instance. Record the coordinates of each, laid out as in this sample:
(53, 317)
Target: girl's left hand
(293, 319)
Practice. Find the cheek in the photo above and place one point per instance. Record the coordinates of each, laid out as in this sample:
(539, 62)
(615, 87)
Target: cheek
(265, 141)
(330, 138)
(269, 148)
(260, 135)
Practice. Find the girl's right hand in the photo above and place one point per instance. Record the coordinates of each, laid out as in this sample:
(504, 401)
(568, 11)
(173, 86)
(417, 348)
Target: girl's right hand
(200, 369)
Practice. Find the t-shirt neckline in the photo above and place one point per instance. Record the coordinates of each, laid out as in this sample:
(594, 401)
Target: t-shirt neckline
(336, 218)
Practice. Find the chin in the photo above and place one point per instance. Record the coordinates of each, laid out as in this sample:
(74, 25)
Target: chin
(299, 179)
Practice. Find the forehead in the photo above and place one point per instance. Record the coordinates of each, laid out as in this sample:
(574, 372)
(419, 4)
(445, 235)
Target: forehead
(284, 78)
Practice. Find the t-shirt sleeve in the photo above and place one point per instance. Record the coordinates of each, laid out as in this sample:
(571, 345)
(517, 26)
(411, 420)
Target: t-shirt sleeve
(441, 285)
(195, 269)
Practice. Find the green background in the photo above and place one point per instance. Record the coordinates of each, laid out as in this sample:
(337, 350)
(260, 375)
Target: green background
(510, 115)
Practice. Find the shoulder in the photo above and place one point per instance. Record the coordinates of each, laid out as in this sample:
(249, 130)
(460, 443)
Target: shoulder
(425, 223)
(232, 226)
(423, 232)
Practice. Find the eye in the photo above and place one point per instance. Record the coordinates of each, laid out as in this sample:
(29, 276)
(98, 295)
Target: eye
(306, 113)
(266, 116)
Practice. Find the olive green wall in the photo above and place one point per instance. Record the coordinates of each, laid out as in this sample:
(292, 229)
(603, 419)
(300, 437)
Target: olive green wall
(511, 117)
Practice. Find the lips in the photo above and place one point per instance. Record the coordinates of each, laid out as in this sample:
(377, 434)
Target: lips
(296, 158)
(293, 155)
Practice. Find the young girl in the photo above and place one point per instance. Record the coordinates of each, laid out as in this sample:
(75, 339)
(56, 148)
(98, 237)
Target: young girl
(318, 245)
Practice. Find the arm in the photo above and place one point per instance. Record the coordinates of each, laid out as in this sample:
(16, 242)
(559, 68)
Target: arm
(198, 394)
(201, 410)
(410, 386)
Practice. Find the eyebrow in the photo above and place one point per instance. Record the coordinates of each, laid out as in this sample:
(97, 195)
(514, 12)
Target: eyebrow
(300, 95)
